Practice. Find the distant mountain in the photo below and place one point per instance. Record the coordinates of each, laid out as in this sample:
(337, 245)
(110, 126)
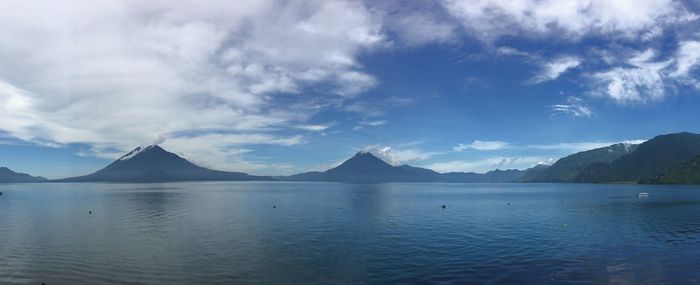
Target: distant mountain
(154, 164)
(364, 167)
(669, 159)
(533, 171)
(568, 168)
(651, 159)
(9, 176)
(494, 176)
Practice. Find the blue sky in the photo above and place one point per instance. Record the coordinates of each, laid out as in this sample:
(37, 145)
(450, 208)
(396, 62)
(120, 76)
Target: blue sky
(279, 87)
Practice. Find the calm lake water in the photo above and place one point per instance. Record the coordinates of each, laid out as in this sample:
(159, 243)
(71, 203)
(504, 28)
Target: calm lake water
(326, 233)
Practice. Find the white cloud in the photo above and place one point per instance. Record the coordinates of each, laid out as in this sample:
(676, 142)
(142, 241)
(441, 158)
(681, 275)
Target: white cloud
(482, 145)
(415, 23)
(518, 162)
(418, 29)
(488, 164)
(398, 156)
(365, 109)
(375, 108)
(313, 128)
(628, 82)
(227, 151)
(643, 81)
(688, 58)
(642, 78)
(510, 51)
(573, 106)
(362, 124)
(373, 123)
(552, 70)
(565, 147)
(490, 20)
(115, 74)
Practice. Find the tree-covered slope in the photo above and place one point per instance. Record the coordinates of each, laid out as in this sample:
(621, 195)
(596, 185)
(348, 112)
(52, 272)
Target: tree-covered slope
(687, 173)
(652, 158)
(568, 168)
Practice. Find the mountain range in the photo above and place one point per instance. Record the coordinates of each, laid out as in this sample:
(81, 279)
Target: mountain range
(653, 158)
(9, 176)
(569, 168)
(365, 167)
(665, 159)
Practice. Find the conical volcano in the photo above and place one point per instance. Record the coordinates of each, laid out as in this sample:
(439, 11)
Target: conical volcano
(155, 164)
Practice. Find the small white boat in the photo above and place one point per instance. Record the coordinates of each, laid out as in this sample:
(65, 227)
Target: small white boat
(643, 195)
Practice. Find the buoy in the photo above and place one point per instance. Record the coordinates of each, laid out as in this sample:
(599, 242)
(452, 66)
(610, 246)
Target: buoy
(443, 206)
(274, 206)
(0, 193)
(508, 203)
(90, 212)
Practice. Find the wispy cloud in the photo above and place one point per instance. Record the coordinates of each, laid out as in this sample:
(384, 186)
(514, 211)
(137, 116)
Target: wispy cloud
(645, 78)
(362, 124)
(418, 29)
(396, 156)
(573, 106)
(642, 82)
(488, 164)
(373, 123)
(687, 58)
(570, 147)
(228, 151)
(511, 51)
(517, 162)
(553, 69)
(313, 128)
(375, 108)
(481, 145)
(490, 20)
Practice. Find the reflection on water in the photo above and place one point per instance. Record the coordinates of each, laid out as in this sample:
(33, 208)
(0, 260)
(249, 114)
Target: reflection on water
(326, 233)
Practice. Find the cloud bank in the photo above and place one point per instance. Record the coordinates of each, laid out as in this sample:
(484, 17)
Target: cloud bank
(116, 74)
(490, 20)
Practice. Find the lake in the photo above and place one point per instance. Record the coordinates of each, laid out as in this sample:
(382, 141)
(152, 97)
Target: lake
(328, 233)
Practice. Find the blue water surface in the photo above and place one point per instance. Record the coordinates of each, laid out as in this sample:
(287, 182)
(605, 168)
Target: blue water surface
(328, 233)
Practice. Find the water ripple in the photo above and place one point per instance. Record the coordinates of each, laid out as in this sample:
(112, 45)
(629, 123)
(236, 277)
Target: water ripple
(325, 233)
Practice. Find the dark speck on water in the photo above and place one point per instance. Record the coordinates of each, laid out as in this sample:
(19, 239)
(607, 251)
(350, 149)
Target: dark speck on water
(220, 233)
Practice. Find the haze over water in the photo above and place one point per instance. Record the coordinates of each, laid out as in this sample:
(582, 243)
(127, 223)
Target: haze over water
(328, 233)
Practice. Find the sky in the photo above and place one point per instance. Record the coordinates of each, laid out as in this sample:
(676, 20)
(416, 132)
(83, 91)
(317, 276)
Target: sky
(280, 87)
